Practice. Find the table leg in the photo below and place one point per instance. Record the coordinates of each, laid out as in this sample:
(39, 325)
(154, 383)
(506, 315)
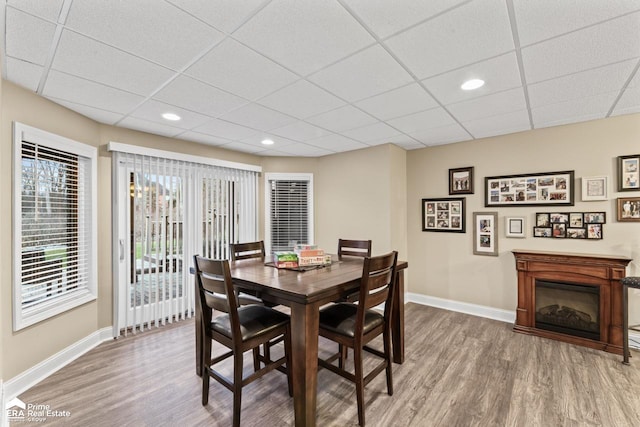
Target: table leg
(625, 324)
(304, 352)
(397, 331)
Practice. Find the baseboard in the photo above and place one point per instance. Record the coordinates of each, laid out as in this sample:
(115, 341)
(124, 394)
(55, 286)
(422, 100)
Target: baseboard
(22, 382)
(484, 311)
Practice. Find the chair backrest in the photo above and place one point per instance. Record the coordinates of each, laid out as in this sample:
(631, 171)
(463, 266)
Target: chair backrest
(246, 250)
(377, 285)
(214, 287)
(359, 248)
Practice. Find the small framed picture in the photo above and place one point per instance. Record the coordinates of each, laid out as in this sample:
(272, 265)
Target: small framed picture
(594, 188)
(594, 231)
(595, 217)
(559, 230)
(514, 226)
(461, 180)
(628, 209)
(443, 215)
(576, 220)
(558, 217)
(541, 231)
(576, 233)
(542, 220)
(629, 173)
(485, 233)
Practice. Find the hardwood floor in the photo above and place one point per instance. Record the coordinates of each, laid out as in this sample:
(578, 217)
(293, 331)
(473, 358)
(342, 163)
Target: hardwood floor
(460, 370)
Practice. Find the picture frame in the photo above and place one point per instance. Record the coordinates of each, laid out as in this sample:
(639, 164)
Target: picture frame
(628, 209)
(534, 189)
(572, 225)
(594, 188)
(485, 233)
(461, 180)
(629, 173)
(444, 214)
(514, 226)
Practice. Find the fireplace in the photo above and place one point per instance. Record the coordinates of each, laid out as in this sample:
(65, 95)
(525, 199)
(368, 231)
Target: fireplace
(574, 298)
(568, 308)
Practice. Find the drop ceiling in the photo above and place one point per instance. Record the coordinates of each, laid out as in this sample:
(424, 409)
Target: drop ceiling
(320, 76)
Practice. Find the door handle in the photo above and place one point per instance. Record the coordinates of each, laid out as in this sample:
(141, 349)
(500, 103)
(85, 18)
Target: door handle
(121, 244)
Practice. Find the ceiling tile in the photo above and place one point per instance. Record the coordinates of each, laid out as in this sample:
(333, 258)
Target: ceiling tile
(410, 144)
(362, 75)
(23, 73)
(398, 102)
(194, 95)
(28, 38)
(341, 119)
(542, 19)
(423, 120)
(385, 18)
(225, 129)
(498, 73)
(74, 89)
(152, 111)
(49, 10)
(465, 35)
(581, 85)
(372, 132)
(96, 114)
(581, 50)
(224, 15)
(629, 102)
(239, 70)
(304, 35)
(490, 105)
(300, 131)
(258, 117)
(278, 142)
(203, 138)
(441, 135)
(154, 30)
(498, 125)
(83, 57)
(305, 150)
(336, 143)
(149, 127)
(241, 146)
(302, 99)
(573, 111)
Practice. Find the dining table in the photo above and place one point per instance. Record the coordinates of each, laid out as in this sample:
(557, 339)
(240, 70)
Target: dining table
(304, 291)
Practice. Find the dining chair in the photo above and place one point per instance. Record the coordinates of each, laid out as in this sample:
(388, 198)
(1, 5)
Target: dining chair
(240, 329)
(355, 325)
(247, 250)
(359, 248)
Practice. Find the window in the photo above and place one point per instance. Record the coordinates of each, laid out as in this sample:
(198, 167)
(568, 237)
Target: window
(289, 207)
(55, 237)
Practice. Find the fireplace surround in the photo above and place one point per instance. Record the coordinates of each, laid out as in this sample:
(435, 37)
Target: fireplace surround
(580, 297)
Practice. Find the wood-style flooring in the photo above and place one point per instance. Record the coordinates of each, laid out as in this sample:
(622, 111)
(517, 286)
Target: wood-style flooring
(460, 370)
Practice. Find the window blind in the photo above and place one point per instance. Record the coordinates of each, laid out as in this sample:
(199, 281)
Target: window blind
(289, 212)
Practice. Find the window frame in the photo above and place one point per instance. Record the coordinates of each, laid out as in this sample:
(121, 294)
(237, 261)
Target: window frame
(273, 176)
(22, 317)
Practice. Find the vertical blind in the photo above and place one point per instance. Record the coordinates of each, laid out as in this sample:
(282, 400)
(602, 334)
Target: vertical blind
(56, 225)
(177, 209)
(289, 213)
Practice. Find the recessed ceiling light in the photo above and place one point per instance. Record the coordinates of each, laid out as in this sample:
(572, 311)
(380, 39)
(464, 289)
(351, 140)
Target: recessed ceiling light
(472, 84)
(267, 141)
(171, 116)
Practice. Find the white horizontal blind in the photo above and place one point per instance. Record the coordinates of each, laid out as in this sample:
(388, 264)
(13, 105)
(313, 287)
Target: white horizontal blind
(289, 213)
(54, 225)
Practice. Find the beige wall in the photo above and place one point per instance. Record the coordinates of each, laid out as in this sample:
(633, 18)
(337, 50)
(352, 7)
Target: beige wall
(443, 265)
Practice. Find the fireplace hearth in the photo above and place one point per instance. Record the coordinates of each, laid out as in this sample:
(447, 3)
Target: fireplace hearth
(574, 298)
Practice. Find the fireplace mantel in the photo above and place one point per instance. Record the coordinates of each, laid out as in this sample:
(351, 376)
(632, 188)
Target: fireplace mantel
(603, 271)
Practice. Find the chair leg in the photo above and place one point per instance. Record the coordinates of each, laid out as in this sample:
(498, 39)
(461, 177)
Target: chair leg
(205, 357)
(287, 354)
(343, 355)
(237, 387)
(267, 353)
(256, 359)
(359, 374)
(387, 356)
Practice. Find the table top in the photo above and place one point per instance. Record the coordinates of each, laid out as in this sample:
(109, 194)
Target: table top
(318, 285)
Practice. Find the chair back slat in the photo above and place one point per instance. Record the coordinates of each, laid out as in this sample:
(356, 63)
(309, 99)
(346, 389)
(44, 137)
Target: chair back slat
(378, 278)
(247, 250)
(214, 288)
(357, 248)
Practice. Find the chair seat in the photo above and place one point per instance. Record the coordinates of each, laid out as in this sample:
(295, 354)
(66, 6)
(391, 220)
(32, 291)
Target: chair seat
(254, 320)
(632, 282)
(341, 318)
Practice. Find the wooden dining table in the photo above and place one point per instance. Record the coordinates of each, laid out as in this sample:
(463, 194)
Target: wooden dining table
(304, 292)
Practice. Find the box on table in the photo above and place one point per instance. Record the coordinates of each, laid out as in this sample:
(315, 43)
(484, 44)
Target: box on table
(285, 259)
